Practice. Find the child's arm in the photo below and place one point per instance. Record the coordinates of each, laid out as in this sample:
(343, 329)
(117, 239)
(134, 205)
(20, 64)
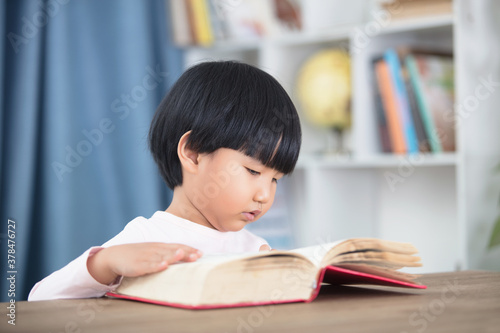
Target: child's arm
(136, 260)
(75, 281)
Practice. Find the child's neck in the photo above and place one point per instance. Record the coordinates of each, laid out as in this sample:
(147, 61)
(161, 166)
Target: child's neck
(181, 206)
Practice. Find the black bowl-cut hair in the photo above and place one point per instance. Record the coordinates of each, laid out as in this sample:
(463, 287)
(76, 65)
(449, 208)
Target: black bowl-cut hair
(226, 104)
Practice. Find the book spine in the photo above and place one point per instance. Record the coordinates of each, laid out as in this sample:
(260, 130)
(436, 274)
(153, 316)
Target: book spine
(388, 97)
(201, 22)
(179, 18)
(392, 59)
(217, 20)
(190, 20)
(383, 129)
(423, 105)
(423, 142)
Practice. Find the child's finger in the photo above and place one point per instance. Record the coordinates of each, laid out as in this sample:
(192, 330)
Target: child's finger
(161, 266)
(171, 256)
(151, 267)
(265, 247)
(190, 251)
(190, 256)
(185, 253)
(180, 255)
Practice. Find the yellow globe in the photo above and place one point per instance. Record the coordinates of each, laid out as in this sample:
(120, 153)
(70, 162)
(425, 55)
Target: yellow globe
(324, 89)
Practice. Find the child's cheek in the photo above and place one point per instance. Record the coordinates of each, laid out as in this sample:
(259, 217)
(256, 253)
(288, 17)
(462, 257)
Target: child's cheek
(237, 192)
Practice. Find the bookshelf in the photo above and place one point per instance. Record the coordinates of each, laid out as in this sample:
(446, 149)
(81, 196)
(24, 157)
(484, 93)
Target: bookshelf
(425, 199)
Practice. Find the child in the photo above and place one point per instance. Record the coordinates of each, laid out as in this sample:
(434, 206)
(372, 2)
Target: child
(222, 138)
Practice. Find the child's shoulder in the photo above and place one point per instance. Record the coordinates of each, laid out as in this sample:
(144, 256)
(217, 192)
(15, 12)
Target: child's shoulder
(141, 222)
(138, 221)
(160, 220)
(142, 229)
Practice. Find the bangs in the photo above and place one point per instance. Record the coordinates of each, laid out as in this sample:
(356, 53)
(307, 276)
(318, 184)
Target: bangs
(257, 126)
(274, 145)
(273, 140)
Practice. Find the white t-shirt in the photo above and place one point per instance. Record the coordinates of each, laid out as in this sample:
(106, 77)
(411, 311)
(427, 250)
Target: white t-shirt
(75, 281)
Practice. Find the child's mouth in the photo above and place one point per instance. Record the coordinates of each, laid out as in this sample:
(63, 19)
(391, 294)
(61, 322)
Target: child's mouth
(251, 216)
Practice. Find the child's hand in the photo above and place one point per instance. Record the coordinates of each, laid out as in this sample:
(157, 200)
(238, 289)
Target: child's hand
(265, 247)
(137, 259)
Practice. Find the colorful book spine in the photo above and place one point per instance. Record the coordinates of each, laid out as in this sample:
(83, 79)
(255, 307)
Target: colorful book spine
(201, 22)
(392, 59)
(388, 97)
(382, 122)
(423, 142)
(423, 105)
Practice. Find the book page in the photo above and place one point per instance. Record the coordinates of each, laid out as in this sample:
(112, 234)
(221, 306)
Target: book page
(180, 282)
(381, 271)
(214, 259)
(316, 253)
(227, 279)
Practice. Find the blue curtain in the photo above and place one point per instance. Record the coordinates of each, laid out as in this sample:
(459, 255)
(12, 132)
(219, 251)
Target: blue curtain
(80, 83)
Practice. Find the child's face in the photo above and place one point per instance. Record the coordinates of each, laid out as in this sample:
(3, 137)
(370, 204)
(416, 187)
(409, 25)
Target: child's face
(230, 190)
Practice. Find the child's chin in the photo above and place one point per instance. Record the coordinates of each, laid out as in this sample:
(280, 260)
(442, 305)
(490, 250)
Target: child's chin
(233, 227)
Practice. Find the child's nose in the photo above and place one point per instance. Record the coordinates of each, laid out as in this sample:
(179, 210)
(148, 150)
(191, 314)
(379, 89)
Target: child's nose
(263, 194)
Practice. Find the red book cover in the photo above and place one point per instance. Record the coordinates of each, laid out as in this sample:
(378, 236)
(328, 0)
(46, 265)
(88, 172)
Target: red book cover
(330, 274)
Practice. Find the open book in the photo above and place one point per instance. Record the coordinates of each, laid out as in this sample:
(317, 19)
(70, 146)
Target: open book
(274, 276)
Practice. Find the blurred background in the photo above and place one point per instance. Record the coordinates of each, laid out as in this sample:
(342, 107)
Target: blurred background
(398, 102)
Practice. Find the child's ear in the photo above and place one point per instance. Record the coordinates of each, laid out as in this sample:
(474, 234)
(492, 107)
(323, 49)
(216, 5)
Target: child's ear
(187, 156)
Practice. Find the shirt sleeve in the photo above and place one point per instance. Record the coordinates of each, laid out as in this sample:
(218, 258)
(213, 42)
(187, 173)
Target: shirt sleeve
(71, 281)
(74, 279)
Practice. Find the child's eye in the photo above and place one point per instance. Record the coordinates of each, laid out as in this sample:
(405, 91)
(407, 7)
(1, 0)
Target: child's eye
(253, 172)
(275, 180)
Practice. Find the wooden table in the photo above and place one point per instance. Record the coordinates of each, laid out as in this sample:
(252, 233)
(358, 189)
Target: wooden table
(466, 301)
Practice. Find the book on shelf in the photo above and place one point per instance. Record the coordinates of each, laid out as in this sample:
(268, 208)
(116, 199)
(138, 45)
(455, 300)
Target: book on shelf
(408, 9)
(387, 107)
(273, 277)
(200, 22)
(422, 138)
(382, 122)
(392, 59)
(432, 78)
(203, 22)
(218, 25)
(190, 22)
(182, 33)
(416, 97)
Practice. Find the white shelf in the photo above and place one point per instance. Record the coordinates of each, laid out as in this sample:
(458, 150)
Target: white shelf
(338, 34)
(290, 39)
(420, 23)
(304, 38)
(375, 161)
